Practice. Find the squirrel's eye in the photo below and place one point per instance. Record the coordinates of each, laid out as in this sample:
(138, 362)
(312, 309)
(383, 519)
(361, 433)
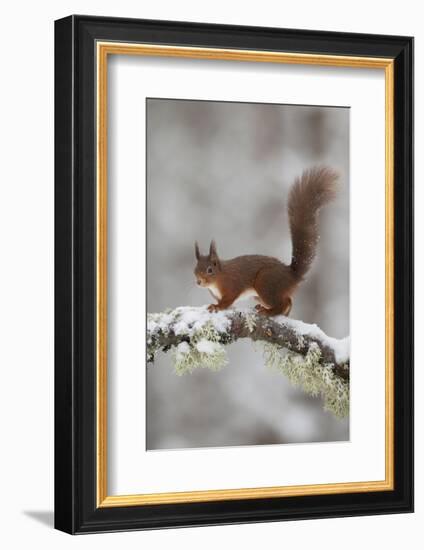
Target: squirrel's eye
(209, 270)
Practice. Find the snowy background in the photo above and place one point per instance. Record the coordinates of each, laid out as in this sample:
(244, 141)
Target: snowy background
(223, 171)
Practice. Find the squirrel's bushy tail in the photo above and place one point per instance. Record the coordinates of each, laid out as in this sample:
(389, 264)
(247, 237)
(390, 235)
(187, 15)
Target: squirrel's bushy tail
(314, 189)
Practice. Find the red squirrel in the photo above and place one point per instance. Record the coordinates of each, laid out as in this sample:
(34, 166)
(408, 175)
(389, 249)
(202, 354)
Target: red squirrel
(269, 280)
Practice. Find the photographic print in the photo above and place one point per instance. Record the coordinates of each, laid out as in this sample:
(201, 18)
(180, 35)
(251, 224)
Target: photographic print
(216, 278)
(247, 274)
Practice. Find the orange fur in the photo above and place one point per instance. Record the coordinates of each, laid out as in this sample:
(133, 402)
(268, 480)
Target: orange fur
(271, 280)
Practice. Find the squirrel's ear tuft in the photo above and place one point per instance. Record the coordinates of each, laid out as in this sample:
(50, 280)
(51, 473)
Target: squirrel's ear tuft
(213, 254)
(196, 250)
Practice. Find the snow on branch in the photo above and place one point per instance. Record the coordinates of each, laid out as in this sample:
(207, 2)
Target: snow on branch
(303, 352)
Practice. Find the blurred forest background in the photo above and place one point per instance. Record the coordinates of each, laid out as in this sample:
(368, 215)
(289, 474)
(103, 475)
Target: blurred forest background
(223, 171)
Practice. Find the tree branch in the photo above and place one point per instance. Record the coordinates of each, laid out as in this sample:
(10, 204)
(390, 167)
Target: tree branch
(304, 353)
(185, 324)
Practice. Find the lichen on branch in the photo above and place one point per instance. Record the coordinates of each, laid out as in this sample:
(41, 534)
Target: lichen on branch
(310, 359)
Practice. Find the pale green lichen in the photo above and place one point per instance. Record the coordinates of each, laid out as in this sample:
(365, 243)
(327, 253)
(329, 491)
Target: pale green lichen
(313, 376)
(203, 351)
(250, 322)
(300, 341)
(203, 338)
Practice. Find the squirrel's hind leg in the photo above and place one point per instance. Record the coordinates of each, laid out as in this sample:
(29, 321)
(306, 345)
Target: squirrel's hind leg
(273, 286)
(282, 308)
(288, 306)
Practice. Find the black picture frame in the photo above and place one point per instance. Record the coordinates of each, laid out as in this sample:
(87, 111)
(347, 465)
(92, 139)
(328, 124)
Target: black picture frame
(76, 509)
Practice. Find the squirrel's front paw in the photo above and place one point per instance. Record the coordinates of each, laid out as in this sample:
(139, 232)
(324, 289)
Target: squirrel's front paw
(261, 310)
(213, 308)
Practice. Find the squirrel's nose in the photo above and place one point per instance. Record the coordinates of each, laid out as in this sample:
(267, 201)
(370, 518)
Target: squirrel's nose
(198, 281)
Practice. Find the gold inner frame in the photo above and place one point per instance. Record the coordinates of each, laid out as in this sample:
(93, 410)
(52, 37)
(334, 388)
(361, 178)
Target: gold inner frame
(104, 49)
